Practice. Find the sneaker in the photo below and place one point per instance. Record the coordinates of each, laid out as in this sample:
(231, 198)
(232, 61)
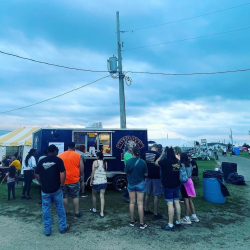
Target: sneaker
(133, 223)
(48, 234)
(66, 229)
(28, 198)
(84, 195)
(143, 226)
(178, 225)
(126, 199)
(157, 216)
(23, 197)
(102, 215)
(92, 210)
(185, 221)
(194, 219)
(77, 216)
(167, 228)
(148, 212)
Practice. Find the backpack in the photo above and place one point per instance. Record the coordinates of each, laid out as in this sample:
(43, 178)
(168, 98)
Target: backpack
(183, 174)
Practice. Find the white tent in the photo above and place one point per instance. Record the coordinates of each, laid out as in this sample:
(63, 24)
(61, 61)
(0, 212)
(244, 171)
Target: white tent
(174, 142)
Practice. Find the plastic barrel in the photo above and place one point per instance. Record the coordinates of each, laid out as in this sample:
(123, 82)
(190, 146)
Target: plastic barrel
(212, 192)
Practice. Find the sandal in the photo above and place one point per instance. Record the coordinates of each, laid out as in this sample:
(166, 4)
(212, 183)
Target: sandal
(92, 210)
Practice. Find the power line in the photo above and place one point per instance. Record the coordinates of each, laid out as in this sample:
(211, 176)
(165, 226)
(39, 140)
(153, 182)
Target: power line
(188, 18)
(191, 74)
(51, 64)
(135, 72)
(187, 39)
(53, 97)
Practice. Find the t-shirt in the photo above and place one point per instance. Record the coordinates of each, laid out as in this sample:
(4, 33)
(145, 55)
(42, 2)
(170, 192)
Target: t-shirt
(153, 170)
(49, 169)
(138, 171)
(6, 162)
(71, 161)
(169, 173)
(126, 157)
(82, 154)
(31, 164)
(17, 164)
(10, 179)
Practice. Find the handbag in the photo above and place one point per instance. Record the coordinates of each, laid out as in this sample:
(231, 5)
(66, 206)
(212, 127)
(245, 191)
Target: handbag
(183, 174)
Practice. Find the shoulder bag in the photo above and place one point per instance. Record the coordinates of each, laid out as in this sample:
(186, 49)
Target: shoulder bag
(131, 170)
(183, 174)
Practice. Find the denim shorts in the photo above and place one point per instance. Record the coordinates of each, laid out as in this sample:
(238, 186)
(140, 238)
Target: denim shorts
(140, 188)
(153, 185)
(171, 194)
(71, 190)
(98, 187)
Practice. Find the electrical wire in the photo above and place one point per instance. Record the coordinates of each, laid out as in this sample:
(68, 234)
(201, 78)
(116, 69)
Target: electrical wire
(53, 97)
(191, 74)
(188, 18)
(51, 64)
(152, 73)
(187, 39)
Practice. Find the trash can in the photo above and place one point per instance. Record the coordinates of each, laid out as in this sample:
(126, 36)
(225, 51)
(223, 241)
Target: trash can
(211, 187)
(228, 168)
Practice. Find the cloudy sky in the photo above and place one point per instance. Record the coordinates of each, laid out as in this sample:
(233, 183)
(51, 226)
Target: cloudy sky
(82, 34)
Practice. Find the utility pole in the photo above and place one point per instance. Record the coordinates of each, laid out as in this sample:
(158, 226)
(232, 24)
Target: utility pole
(121, 76)
(231, 136)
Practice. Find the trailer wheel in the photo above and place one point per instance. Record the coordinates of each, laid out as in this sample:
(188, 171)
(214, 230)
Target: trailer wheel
(119, 183)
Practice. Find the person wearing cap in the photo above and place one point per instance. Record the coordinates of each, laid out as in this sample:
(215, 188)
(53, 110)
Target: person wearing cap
(74, 169)
(83, 195)
(50, 172)
(126, 157)
(160, 149)
(153, 181)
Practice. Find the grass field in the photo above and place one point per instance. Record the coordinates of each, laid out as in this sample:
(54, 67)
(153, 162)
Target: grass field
(116, 210)
(244, 154)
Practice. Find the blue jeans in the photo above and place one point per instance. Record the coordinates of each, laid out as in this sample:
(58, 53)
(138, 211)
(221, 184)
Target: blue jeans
(46, 201)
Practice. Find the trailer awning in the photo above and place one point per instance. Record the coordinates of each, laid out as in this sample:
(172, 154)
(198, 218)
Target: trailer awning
(18, 137)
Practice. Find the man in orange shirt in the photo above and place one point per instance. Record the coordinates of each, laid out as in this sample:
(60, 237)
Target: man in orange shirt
(74, 169)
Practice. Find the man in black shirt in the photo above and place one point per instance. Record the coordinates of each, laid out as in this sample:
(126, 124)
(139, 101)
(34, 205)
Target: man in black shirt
(195, 171)
(153, 181)
(50, 172)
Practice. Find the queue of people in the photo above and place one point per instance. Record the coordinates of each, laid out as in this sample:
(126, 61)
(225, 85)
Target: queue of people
(156, 173)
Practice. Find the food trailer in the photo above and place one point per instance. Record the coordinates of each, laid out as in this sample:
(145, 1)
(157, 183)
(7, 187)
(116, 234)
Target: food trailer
(111, 142)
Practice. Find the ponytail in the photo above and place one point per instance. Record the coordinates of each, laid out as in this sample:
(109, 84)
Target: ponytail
(100, 157)
(136, 151)
(31, 153)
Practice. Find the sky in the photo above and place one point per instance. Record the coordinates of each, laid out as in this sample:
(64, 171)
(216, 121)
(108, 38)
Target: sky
(82, 34)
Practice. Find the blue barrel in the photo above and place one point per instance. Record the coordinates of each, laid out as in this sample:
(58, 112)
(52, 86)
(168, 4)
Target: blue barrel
(212, 192)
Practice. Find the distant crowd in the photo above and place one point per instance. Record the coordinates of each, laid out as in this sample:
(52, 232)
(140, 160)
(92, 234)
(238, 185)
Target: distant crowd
(157, 173)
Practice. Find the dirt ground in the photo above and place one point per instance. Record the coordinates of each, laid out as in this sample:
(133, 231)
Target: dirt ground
(221, 226)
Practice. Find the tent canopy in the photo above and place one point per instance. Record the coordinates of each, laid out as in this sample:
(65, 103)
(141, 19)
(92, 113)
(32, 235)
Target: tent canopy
(18, 137)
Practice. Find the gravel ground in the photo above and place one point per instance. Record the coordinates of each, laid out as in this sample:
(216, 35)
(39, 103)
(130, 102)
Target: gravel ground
(27, 233)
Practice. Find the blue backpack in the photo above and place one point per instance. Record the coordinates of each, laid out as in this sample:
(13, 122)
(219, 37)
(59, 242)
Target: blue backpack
(183, 174)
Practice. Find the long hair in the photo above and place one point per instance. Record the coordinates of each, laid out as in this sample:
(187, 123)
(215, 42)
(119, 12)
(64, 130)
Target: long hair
(12, 171)
(171, 155)
(31, 153)
(184, 159)
(100, 156)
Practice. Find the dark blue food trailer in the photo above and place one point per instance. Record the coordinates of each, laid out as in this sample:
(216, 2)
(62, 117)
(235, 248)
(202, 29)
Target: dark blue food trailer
(111, 142)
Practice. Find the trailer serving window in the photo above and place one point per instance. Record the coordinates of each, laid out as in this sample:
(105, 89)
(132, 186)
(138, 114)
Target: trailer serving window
(91, 143)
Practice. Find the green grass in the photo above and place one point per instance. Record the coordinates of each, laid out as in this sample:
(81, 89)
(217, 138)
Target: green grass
(117, 211)
(244, 154)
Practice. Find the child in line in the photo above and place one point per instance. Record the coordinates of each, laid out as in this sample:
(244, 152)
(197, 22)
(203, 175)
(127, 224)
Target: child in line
(11, 180)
